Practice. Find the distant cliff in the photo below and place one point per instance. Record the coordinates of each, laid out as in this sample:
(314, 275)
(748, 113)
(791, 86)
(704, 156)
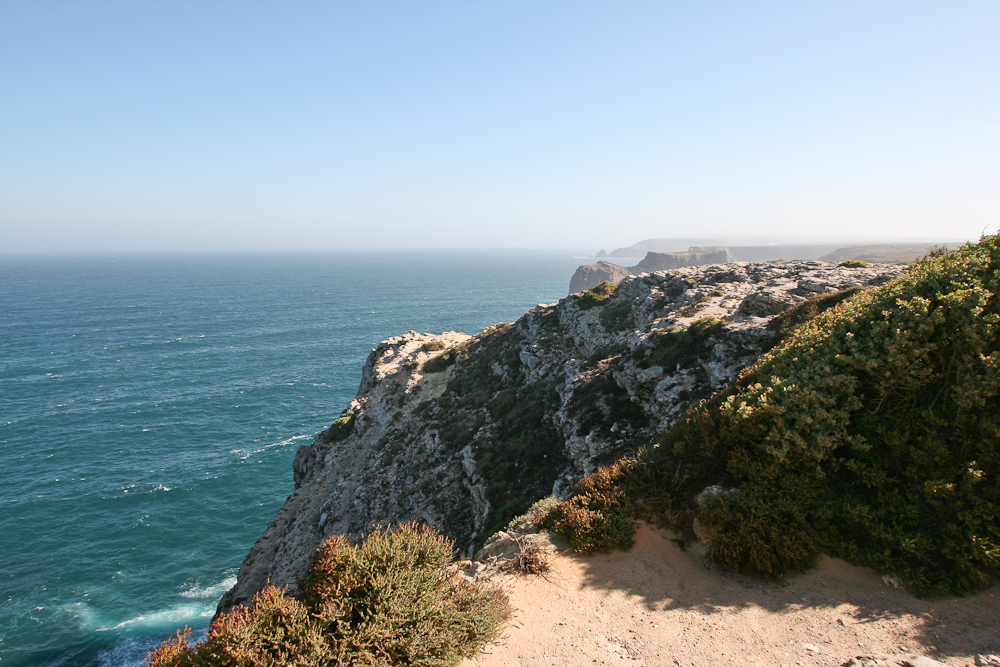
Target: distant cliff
(466, 432)
(591, 275)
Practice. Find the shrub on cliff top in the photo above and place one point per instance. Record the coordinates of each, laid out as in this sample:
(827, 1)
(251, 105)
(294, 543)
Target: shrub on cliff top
(871, 433)
(441, 362)
(597, 517)
(387, 601)
(275, 630)
(596, 296)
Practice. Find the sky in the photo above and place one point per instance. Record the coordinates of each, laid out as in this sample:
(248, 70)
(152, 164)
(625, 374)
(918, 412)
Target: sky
(257, 126)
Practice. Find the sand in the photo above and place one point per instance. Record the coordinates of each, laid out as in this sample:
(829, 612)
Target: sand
(657, 605)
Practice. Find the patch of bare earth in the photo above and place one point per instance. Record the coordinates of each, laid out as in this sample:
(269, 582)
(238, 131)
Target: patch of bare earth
(657, 605)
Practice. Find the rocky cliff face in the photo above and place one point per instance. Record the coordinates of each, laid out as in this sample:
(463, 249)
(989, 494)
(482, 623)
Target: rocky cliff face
(466, 432)
(591, 275)
(663, 261)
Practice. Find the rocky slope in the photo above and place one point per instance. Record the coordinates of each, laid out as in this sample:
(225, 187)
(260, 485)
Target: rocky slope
(466, 432)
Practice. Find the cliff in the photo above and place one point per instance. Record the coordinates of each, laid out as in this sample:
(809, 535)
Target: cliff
(590, 275)
(465, 432)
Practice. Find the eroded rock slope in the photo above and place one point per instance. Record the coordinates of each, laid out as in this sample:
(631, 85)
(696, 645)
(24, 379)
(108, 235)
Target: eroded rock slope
(465, 432)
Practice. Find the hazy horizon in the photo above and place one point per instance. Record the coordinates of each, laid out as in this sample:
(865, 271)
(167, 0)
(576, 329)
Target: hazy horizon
(267, 127)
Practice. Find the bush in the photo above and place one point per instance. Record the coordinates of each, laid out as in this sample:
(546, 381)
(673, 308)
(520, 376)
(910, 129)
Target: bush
(433, 346)
(341, 428)
(681, 345)
(854, 264)
(596, 296)
(387, 601)
(597, 518)
(787, 320)
(441, 362)
(274, 630)
(871, 433)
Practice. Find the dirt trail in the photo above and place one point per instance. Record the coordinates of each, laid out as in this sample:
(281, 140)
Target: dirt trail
(656, 605)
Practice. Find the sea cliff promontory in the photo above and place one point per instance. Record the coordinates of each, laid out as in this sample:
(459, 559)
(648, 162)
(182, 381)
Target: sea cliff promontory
(465, 432)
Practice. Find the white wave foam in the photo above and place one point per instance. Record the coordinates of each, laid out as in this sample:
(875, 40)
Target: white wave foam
(212, 591)
(244, 454)
(176, 616)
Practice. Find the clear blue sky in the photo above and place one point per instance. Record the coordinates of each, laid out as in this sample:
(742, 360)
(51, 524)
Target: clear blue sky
(292, 125)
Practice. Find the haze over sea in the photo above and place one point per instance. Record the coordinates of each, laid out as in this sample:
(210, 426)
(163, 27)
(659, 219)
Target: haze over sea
(150, 407)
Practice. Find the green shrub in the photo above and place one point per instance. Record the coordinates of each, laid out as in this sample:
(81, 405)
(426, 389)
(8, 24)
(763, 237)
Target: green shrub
(390, 601)
(341, 428)
(441, 362)
(618, 316)
(871, 433)
(787, 320)
(537, 514)
(274, 630)
(597, 518)
(854, 264)
(433, 346)
(596, 296)
(387, 601)
(681, 344)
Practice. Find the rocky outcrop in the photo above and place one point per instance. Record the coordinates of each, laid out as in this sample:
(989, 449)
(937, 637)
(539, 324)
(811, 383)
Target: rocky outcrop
(466, 432)
(591, 275)
(898, 660)
(663, 261)
(741, 253)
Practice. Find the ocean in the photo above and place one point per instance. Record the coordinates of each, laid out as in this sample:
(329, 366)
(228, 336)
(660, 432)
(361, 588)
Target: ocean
(150, 408)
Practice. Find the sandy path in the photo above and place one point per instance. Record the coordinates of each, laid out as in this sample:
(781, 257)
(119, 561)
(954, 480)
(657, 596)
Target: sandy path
(656, 605)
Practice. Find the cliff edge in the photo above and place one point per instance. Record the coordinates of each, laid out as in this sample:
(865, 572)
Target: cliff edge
(465, 432)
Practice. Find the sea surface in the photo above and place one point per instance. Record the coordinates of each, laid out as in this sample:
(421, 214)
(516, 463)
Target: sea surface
(150, 408)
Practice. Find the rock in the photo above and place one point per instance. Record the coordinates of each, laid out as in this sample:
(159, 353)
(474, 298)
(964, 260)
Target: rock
(898, 660)
(987, 660)
(525, 409)
(664, 261)
(592, 275)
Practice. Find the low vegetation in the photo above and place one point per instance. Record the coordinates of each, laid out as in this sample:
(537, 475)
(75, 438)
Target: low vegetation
(442, 361)
(871, 432)
(679, 345)
(341, 428)
(854, 264)
(596, 296)
(387, 601)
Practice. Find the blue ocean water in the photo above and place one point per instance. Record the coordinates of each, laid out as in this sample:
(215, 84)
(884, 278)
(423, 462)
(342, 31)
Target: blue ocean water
(150, 407)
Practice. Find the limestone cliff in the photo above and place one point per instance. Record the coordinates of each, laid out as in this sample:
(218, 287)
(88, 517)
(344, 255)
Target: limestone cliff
(591, 275)
(465, 432)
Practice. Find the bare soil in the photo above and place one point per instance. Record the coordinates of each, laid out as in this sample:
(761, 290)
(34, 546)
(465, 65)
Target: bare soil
(658, 605)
